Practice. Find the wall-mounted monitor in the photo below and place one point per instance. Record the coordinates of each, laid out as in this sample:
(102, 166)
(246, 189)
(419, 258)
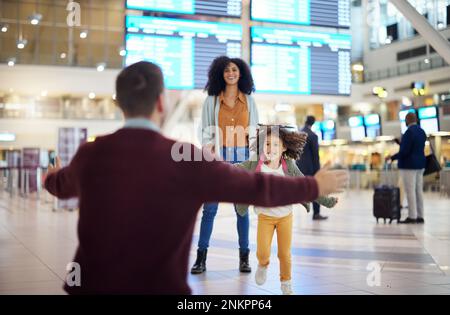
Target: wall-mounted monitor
(373, 125)
(317, 129)
(227, 8)
(332, 13)
(429, 119)
(401, 115)
(184, 49)
(7, 137)
(328, 129)
(292, 61)
(357, 129)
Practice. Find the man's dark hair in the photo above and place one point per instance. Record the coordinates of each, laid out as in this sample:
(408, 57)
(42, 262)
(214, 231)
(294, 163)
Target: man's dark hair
(410, 118)
(310, 120)
(216, 82)
(138, 87)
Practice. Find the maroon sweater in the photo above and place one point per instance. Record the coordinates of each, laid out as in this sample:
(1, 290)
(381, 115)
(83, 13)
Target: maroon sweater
(138, 209)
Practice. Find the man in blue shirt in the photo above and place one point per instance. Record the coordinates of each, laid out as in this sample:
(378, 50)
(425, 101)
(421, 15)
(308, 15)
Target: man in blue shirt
(411, 162)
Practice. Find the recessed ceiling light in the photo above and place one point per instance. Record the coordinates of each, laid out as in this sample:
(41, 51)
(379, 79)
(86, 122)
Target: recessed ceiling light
(101, 67)
(11, 62)
(4, 28)
(91, 95)
(21, 43)
(83, 34)
(35, 18)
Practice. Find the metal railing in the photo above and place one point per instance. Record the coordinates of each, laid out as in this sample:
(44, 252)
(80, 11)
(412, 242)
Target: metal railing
(407, 68)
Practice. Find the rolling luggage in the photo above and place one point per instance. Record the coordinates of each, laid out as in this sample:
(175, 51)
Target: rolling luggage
(386, 203)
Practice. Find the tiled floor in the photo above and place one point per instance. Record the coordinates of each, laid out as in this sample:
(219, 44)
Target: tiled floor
(329, 257)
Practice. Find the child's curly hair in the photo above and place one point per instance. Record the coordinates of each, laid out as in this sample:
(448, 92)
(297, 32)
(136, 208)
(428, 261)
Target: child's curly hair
(293, 140)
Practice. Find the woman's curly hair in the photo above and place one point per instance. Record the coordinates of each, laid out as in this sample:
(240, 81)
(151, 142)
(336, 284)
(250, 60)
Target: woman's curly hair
(216, 82)
(294, 141)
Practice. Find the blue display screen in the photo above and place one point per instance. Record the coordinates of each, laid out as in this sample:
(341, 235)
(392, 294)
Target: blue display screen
(333, 13)
(292, 61)
(230, 8)
(373, 125)
(317, 129)
(401, 115)
(427, 112)
(372, 120)
(328, 129)
(429, 120)
(184, 49)
(355, 121)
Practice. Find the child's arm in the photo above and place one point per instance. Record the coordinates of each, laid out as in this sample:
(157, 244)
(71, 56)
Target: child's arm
(245, 165)
(328, 202)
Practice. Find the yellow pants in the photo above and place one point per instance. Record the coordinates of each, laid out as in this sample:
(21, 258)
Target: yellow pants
(266, 227)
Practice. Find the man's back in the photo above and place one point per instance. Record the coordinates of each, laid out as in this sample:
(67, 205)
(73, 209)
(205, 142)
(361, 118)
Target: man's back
(130, 221)
(411, 155)
(309, 160)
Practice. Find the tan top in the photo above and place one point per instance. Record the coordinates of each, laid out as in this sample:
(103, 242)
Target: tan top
(233, 122)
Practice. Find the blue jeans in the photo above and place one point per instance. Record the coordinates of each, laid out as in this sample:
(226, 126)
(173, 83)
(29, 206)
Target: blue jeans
(231, 155)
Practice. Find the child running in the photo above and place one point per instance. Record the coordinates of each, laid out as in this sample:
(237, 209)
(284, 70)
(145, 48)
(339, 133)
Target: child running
(277, 149)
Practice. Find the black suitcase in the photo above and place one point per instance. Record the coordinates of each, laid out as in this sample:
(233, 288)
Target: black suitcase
(386, 203)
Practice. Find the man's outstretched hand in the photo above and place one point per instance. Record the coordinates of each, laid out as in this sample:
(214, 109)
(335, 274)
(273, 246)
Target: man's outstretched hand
(331, 181)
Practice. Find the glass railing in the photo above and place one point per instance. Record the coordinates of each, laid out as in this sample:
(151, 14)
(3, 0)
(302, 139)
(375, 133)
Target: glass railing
(406, 68)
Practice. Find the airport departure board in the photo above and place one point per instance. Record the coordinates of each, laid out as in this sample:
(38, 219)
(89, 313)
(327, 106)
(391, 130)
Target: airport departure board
(332, 13)
(292, 61)
(184, 49)
(229, 8)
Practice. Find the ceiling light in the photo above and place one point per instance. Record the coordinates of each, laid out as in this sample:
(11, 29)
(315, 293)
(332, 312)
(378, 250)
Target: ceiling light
(83, 34)
(35, 18)
(358, 67)
(21, 43)
(101, 67)
(122, 52)
(426, 60)
(63, 55)
(4, 28)
(11, 62)
(92, 95)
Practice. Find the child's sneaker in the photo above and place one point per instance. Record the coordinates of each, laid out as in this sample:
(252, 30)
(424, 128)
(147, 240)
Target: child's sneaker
(261, 275)
(286, 288)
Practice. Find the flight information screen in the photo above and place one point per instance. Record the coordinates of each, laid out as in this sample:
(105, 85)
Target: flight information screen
(292, 61)
(357, 129)
(230, 8)
(428, 117)
(373, 125)
(184, 49)
(333, 13)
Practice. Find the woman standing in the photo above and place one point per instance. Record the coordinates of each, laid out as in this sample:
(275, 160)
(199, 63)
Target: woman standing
(229, 121)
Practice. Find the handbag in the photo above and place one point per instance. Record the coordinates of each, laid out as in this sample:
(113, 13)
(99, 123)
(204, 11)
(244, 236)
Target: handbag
(431, 163)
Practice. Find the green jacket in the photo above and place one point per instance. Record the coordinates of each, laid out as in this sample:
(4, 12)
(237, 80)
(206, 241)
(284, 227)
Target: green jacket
(292, 170)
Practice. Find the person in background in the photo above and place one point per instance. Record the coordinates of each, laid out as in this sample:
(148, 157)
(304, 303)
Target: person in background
(139, 202)
(411, 164)
(229, 120)
(309, 162)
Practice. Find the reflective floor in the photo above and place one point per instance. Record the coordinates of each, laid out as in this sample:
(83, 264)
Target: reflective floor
(337, 256)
